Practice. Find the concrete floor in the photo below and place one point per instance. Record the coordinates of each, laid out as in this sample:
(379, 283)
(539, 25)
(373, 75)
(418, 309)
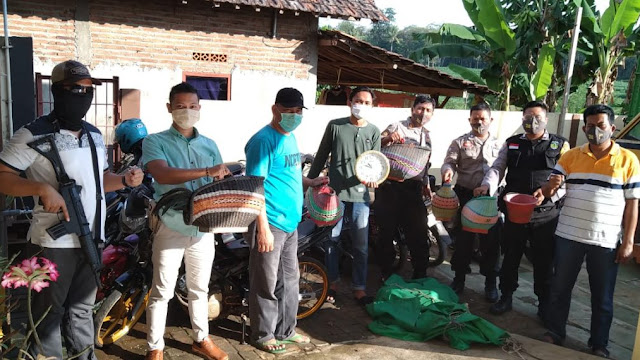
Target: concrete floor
(340, 332)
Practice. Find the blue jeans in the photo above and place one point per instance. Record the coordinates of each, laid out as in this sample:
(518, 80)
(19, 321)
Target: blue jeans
(602, 271)
(358, 214)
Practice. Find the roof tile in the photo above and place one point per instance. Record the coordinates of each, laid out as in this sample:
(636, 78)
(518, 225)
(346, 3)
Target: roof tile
(359, 9)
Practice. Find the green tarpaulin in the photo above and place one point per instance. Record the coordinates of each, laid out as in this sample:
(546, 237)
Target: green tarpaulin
(420, 310)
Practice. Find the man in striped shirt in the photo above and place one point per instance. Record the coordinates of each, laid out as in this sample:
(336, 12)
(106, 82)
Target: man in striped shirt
(603, 186)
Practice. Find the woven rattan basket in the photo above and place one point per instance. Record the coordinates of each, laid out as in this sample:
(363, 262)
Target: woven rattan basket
(228, 205)
(406, 161)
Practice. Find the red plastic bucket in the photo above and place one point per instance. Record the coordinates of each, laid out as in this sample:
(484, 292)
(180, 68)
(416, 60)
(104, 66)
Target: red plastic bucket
(520, 207)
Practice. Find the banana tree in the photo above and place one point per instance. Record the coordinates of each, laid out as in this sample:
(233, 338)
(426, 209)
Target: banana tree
(523, 42)
(612, 37)
(491, 38)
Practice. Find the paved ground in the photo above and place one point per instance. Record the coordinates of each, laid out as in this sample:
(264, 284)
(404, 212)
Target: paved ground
(340, 332)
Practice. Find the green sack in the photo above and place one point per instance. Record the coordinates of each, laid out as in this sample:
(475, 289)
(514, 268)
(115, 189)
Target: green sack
(423, 309)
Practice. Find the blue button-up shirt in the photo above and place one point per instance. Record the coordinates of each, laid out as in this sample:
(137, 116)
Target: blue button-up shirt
(179, 152)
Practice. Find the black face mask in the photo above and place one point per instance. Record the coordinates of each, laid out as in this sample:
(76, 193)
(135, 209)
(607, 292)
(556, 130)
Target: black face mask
(70, 108)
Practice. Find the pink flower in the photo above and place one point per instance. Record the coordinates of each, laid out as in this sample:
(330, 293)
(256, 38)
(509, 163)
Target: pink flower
(34, 273)
(48, 265)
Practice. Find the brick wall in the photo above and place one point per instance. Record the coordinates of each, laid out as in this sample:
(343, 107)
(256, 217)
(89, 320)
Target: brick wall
(163, 34)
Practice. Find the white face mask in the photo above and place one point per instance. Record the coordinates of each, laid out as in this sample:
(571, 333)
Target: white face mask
(185, 118)
(361, 111)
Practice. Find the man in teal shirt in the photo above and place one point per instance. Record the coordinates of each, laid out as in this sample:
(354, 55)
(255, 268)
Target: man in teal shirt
(345, 139)
(181, 157)
(273, 264)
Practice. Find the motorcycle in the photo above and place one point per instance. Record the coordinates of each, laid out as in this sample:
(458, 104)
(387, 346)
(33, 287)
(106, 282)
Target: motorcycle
(127, 273)
(229, 283)
(437, 245)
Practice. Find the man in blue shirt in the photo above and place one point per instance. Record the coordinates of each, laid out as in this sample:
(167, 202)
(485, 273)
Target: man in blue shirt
(181, 157)
(273, 265)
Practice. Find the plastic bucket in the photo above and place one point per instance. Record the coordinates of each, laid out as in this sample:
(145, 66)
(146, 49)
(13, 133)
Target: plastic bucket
(520, 207)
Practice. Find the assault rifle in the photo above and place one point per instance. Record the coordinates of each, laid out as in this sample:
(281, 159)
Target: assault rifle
(70, 191)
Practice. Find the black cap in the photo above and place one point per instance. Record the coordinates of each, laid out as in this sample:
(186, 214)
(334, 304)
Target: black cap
(71, 71)
(290, 98)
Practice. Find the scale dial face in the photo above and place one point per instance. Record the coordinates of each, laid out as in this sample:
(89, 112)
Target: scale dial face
(372, 166)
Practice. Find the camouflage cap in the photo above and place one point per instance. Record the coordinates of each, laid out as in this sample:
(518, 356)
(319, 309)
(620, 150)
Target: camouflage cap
(71, 71)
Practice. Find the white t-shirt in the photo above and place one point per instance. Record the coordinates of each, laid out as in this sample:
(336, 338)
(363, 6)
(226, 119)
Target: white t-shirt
(76, 157)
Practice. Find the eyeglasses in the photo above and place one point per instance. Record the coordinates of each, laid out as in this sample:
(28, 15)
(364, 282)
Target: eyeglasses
(531, 117)
(80, 89)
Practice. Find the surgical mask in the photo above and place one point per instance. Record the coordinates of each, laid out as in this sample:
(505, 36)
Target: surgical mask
(185, 118)
(70, 108)
(597, 136)
(290, 121)
(361, 111)
(479, 128)
(421, 119)
(533, 124)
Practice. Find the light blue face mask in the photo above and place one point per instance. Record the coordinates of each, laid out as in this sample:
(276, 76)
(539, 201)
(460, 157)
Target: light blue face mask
(290, 121)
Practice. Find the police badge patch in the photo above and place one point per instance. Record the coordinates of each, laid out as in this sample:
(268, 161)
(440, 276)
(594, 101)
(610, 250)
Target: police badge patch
(554, 145)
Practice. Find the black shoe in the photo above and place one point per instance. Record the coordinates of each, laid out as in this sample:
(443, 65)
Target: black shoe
(457, 285)
(490, 292)
(603, 353)
(419, 274)
(502, 306)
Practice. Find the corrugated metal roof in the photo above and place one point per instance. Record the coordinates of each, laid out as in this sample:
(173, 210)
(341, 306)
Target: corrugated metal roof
(346, 60)
(356, 9)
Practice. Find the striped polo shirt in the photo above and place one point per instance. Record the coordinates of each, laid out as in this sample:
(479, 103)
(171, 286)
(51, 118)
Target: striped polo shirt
(596, 194)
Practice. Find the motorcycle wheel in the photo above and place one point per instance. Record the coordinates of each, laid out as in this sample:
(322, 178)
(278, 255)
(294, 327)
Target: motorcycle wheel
(314, 285)
(402, 251)
(112, 322)
(437, 247)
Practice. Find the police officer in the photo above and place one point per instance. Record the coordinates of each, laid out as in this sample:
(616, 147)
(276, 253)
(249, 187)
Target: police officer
(529, 159)
(400, 203)
(470, 156)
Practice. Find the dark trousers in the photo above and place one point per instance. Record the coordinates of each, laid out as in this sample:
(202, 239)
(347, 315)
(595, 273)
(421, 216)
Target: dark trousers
(274, 276)
(71, 298)
(540, 236)
(489, 244)
(401, 204)
(602, 270)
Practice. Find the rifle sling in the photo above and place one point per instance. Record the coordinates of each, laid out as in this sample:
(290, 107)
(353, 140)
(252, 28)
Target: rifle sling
(97, 221)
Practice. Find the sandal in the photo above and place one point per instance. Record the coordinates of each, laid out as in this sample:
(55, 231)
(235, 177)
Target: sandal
(296, 339)
(272, 346)
(331, 296)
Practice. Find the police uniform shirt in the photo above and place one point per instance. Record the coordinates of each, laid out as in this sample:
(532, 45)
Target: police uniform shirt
(499, 167)
(471, 157)
(418, 136)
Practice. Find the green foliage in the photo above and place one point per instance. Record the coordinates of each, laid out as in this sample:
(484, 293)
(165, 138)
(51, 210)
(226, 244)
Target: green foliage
(543, 76)
(608, 40)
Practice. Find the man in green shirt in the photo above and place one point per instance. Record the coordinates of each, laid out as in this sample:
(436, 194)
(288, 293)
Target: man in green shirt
(345, 139)
(181, 158)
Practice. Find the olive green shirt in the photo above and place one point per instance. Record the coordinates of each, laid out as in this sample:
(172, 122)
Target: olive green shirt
(345, 142)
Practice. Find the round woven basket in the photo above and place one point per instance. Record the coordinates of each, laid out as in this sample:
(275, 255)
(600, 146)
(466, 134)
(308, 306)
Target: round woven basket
(323, 205)
(445, 203)
(406, 161)
(228, 205)
(480, 214)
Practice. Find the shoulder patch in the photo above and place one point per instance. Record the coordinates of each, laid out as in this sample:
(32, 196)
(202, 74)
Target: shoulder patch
(555, 144)
(514, 146)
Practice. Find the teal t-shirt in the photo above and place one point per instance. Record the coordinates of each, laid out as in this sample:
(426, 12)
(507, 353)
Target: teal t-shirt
(275, 157)
(180, 152)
